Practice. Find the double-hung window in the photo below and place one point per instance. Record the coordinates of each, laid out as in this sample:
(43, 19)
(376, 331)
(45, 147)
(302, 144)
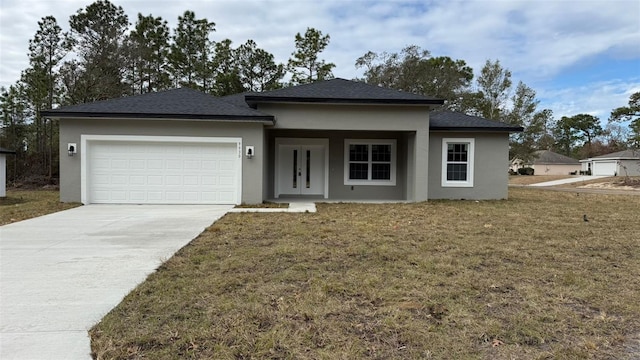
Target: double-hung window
(457, 162)
(369, 162)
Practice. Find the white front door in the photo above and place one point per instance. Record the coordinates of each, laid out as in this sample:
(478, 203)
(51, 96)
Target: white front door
(301, 169)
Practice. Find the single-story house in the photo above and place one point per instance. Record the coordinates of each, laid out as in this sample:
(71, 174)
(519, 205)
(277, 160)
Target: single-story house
(547, 162)
(336, 139)
(3, 170)
(621, 163)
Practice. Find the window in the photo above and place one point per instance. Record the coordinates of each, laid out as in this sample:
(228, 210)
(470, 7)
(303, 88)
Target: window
(457, 162)
(369, 162)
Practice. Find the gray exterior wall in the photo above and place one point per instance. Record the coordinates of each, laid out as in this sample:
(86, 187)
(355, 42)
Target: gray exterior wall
(409, 125)
(491, 161)
(72, 129)
(629, 168)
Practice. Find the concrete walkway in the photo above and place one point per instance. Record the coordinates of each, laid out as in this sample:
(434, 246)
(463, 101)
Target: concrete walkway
(569, 180)
(294, 207)
(61, 273)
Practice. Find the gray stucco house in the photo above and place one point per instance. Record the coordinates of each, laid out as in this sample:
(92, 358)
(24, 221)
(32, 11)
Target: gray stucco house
(620, 163)
(335, 139)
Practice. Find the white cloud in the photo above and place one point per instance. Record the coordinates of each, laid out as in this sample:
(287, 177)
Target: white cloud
(597, 99)
(536, 40)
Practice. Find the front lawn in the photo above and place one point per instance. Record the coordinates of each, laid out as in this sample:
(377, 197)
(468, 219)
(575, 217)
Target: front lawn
(25, 204)
(526, 278)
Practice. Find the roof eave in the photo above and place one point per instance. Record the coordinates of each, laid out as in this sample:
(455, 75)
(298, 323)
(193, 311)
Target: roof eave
(555, 163)
(615, 158)
(253, 99)
(251, 118)
(476, 129)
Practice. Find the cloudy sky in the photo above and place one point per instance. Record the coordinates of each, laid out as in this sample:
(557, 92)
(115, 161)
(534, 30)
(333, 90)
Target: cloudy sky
(580, 56)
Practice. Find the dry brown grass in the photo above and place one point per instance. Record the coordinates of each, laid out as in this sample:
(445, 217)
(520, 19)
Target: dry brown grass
(534, 179)
(25, 204)
(525, 278)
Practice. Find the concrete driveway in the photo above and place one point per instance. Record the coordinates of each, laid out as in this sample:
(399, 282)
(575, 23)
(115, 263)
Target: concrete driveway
(61, 273)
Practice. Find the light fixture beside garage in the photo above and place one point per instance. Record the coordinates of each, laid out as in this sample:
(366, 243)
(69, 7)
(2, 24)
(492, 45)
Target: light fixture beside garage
(72, 148)
(250, 152)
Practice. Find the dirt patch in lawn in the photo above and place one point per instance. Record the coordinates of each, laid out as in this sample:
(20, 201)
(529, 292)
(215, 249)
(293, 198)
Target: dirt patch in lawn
(25, 204)
(526, 278)
(610, 183)
(534, 179)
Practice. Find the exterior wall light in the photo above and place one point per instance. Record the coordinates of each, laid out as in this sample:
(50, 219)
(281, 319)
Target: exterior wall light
(250, 152)
(72, 149)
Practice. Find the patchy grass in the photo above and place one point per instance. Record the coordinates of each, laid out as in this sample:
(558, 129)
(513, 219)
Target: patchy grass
(525, 278)
(25, 204)
(534, 179)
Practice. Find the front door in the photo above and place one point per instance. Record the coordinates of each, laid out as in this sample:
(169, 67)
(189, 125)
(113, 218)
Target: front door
(300, 169)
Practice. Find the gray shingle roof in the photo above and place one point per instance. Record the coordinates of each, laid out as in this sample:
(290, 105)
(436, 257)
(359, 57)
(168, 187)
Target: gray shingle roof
(627, 154)
(455, 121)
(546, 157)
(341, 91)
(6, 151)
(182, 103)
(238, 99)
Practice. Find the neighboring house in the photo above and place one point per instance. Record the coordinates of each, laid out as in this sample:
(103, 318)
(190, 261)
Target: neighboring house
(335, 139)
(621, 163)
(3, 170)
(547, 162)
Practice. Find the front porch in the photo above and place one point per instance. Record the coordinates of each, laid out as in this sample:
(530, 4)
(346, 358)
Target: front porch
(322, 166)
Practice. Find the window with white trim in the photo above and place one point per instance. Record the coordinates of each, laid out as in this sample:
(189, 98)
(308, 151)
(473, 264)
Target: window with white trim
(457, 162)
(369, 162)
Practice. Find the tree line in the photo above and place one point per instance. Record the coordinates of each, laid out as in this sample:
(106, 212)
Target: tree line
(493, 96)
(100, 58)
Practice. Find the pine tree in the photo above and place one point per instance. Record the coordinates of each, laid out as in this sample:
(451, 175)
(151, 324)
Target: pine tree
(304, 64)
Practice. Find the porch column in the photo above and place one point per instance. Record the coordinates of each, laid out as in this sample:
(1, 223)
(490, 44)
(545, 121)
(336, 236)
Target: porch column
(421, 165)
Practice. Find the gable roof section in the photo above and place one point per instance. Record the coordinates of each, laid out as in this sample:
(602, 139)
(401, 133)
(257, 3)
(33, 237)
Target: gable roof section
(546, 157)
(620, 155)
(340, 91)
(456, 121)
(181, 103)
(6, 151)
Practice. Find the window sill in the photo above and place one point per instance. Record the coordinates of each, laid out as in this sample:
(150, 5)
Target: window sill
(457, 184)
(370, 182)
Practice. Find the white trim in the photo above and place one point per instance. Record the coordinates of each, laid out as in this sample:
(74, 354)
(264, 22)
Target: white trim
(394, 162)
(300, 141)
(85, 139)
(470, 162)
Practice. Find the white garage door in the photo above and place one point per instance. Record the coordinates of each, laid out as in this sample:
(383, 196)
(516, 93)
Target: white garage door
(142, 172)
(604, 168)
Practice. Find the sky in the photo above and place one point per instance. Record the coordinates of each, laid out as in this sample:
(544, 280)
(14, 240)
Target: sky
(579, 56)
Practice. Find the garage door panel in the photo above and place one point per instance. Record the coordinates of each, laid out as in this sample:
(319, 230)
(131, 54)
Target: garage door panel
(226, 165)
(226, 196)
(604, 168)
(123, 172)
(138, 196)
(154, 164)
(154, 180)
